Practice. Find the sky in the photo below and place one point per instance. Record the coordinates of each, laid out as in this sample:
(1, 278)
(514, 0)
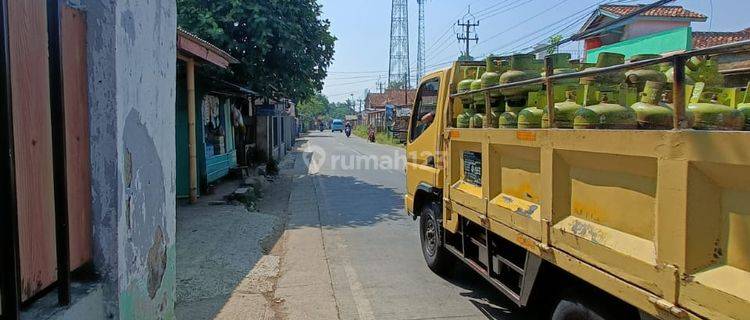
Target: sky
(363, 30)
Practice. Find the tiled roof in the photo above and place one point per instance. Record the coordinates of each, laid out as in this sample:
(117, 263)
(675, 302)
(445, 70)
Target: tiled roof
(395, 97)
(663, 11)
(710, 39)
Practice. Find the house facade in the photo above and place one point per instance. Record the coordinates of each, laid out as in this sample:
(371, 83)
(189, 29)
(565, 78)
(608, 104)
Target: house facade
(382, 110)
(206, 113)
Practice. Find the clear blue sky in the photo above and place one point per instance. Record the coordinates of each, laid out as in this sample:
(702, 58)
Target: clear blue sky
(363, 28)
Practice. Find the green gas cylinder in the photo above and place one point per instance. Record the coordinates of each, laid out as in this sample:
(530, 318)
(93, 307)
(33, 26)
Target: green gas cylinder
(491, 77)
(639, 77)
(479, 105)
(607, 89)
(564, 112)
(649, 113)
(522, 67)
(470, 74)
(561, 64)
(509, 118)
(530, 117)
(709, 114)
(605, 115)
(465, 118)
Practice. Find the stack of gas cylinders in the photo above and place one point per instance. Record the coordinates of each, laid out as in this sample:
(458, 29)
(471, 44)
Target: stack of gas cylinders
(639, 98)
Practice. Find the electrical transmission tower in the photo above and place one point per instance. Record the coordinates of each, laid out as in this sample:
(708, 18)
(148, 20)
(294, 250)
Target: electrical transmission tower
(469, 28)
(398, 69)
(420, 42)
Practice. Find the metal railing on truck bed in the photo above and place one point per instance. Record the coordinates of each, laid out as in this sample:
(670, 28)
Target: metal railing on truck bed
(657, 218)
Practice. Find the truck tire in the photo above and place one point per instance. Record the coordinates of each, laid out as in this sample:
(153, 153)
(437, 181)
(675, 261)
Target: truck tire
(430, 231)
(581, 304)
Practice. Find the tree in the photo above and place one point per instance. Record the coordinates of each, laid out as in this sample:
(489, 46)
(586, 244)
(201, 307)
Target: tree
(339, 110)
(284, 47)
(464, 57)
(313, 107)
(554, 43)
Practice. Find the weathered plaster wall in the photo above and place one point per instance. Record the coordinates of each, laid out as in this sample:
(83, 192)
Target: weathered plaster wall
(132, 97)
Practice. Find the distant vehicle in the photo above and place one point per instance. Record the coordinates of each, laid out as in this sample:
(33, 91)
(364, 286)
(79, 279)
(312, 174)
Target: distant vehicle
(337, 125)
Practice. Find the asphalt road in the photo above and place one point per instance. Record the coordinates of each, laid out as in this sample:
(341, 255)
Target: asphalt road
(372, 246)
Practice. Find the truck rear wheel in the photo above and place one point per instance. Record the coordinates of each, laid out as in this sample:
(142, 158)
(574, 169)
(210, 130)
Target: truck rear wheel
(580, 304)
(430, 227)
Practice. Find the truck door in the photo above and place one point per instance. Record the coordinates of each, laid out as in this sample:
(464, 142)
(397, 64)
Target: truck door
(422, 145)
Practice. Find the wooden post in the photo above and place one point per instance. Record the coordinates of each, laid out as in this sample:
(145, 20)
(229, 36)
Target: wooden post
(678, 90)
(191, 131)
(549, 71)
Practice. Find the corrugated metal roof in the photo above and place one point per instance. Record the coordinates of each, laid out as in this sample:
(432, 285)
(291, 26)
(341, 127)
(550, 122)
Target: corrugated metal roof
(207, 45)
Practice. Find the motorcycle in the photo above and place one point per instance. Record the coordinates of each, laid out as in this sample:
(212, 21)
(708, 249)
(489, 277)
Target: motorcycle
(348, 131)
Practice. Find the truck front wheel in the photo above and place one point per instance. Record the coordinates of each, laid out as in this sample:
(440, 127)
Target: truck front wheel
(437, 258)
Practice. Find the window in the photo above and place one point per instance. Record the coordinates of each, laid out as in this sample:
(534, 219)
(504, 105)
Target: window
(424, 110)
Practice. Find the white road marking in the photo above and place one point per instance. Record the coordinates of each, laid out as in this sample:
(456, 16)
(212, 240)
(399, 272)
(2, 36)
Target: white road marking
(364, 309)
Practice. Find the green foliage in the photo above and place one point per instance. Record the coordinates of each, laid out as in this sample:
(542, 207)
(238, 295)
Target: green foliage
(319, 108)
(380, 137)
(284, 47)
(554, 43)
(464, 57)
(360, 131)
(313, 107)
(339, 110)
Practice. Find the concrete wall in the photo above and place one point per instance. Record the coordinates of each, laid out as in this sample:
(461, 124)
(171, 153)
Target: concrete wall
(131, 54)
(643, 27)
(265, 135)
(263, 132)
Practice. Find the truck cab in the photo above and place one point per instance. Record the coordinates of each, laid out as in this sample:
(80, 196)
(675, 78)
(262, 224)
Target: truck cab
(584, 223)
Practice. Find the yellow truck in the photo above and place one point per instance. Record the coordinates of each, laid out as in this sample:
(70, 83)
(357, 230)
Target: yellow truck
(586, 223)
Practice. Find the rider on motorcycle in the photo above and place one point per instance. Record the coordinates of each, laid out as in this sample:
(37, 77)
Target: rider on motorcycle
(348, 129)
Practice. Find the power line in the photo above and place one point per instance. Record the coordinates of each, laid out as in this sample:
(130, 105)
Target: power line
(577, 17)
(584, 12)
(525, 21)
(503, 9)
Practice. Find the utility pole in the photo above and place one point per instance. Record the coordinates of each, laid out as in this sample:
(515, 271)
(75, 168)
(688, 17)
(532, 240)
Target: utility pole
(380, 85)
(469, 28)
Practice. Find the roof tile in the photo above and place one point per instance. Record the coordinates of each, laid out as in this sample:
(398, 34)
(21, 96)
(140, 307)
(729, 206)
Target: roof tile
(710, 39)
(392, 96)
(663, 11)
